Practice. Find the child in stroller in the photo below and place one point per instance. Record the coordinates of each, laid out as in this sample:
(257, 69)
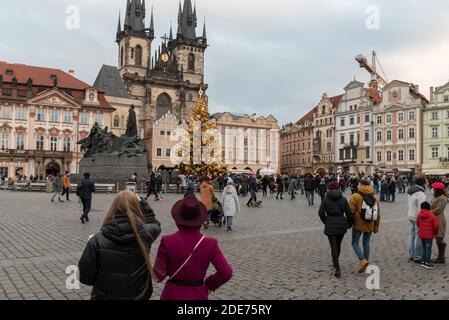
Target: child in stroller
(216, 213)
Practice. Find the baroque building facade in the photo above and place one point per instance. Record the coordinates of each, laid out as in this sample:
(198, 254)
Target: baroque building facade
(43, 113)
(290, 149)
(354, 130)
(436, 132)
(323, 132)
(398, 128)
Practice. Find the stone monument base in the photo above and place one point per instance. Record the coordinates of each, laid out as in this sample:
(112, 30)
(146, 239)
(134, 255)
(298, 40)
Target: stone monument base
(110, 168)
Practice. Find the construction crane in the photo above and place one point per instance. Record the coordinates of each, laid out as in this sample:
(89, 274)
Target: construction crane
(372, 69)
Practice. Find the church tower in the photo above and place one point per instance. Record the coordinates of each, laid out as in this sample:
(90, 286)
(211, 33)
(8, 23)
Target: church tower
(134, 40)
(188, 48)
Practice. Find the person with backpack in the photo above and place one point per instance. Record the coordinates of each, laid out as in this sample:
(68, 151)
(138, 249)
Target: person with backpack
(337, 217)
(428, 229)
(184, 257)
(366, 211)
(116, 261)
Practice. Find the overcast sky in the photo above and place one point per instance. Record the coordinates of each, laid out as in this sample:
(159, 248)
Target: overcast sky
(265, 56)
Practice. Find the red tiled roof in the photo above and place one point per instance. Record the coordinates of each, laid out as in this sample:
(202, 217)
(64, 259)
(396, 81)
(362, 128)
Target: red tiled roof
(307, 117)
(41, 76)
(336, 100)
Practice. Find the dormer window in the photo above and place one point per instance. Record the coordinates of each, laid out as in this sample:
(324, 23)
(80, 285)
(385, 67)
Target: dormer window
(9, 72)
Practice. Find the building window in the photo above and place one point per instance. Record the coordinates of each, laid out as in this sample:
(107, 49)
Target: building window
(434, 115)
(401, 155)
(21, 113)
(367, 118)
(379, 119)
(329, 147)
(358, 119)
(7, 112)
(162, 133)
(132, 53)
(366, 136)
(351, 139)
(67, 117)
(342, 122)
(400, 116)
(54, 115)
(98, 118)
(342, 139)
(347, 154)
(40, 114)
(138, 55)
(341, 154)
(168, 133)
(84, 118)
(447, 131)
(122, 56)
(411, 133)
(434, 132)
(411, 115)
(351, 120)
(20, 142)
(379, 156)
(388, 118)
(379, 135)
(446, 98)
(401, 134)
(4, 172)
(367, 154)
(389, 156)
(4, 141)
(191, 62)
(40, 143)
(53, 144)
(168, 152)
(158, 152)
(388, 135)
(116, 121)
(434, 152)
(66, 144)
(411, 154)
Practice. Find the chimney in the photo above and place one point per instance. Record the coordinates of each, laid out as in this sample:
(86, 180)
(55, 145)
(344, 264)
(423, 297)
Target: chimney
(72, 73)
(431, 94)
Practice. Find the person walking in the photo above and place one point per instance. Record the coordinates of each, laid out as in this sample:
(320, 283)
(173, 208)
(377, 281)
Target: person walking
(337, 217)
(322, 189)
(116, 261)
(57, 184)
(438, 206)
(66, 185)
(159, 184)
(231, 204)
(292, 188)
(207, 194)
(253, 188)
(416, 197)
(279, 187)
(265, 184)
(84, 191)
(151, 187)
(184, 257)
(366, 212)
(392, 189)
(183, 183)
(309, 188)
(428, 229)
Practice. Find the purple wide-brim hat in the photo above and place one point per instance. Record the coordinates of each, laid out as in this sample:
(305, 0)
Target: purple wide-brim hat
(189, 212)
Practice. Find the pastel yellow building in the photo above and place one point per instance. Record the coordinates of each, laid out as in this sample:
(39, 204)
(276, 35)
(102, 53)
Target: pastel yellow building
(436, 132)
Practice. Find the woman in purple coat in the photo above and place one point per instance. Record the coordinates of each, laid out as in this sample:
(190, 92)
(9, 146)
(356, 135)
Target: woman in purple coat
(184, 257)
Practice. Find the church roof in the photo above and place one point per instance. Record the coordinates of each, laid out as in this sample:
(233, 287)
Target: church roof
(110, 81)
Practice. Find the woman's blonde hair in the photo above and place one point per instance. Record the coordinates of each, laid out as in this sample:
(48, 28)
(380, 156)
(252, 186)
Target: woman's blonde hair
(128, 203)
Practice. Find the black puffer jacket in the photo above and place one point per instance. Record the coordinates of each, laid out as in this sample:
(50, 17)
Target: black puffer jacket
(335, 213)
(309, 184)
(113, 263)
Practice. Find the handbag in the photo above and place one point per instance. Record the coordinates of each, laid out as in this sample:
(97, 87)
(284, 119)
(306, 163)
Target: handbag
(187, 260)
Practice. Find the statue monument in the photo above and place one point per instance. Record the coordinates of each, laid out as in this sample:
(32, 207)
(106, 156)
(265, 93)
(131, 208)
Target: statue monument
(112, 159)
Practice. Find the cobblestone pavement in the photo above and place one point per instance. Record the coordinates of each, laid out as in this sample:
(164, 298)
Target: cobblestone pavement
(277, 252)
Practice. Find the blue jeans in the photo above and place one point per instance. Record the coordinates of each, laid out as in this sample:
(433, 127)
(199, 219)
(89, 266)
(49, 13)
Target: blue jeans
(356, 235)
(229, 221)
(414, 251)
(87, 203)
(392, 196)
(426, 250)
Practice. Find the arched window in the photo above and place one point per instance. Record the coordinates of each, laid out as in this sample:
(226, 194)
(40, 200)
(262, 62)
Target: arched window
(138, 55)
(163, 105)
(116, 121)
(132, 53)
(121, 56)
(191, 62)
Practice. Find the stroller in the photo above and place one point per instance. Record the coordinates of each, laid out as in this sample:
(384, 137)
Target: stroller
(216, 213)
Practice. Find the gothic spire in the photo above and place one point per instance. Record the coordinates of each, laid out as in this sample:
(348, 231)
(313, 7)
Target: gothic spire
(144, 8)
(170, 38)
(195, 21)
(204, 29)
(119, 27)
(135, 16)
(128, 12)
(151, 23)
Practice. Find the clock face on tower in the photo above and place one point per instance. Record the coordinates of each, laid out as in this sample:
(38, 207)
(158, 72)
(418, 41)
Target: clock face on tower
(165, 57)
